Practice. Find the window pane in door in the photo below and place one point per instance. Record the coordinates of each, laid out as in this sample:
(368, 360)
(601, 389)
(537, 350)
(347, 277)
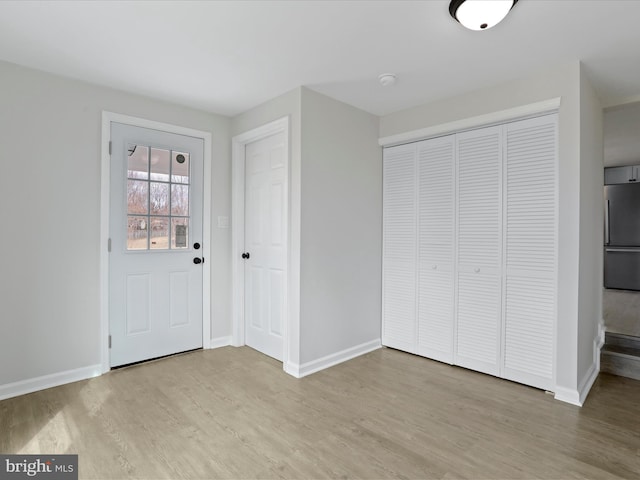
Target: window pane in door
(138, 161)
(137, 196)
(180, 200)
(160, 164)
(137, 232)
(179, 233)
(159, 198)
(179, 167)
(159, 233)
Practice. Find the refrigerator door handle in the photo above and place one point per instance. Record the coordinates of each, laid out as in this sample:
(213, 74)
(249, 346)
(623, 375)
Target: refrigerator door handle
(606, 224)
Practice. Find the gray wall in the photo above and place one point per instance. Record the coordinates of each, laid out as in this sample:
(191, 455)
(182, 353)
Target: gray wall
(50, 195)
(50, 133)
(336, 214)
(576, 192)
(341, 240)
(591, 222)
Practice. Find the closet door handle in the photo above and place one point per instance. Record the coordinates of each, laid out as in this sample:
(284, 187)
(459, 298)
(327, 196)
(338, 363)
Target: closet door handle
(606, 224)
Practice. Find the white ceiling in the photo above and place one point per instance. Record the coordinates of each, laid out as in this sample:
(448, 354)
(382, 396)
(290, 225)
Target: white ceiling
(227, 57)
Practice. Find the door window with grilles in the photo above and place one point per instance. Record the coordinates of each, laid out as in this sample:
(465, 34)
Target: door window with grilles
(157, 199)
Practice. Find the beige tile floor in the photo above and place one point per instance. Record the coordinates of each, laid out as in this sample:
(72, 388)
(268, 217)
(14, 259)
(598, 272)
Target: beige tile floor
(621, 311)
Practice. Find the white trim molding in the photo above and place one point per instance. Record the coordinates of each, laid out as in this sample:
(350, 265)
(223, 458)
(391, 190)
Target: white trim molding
(502, 116)
(23, 387)
(587, 382)
(599, 343)
(239, 143)
(568, 395)
(578, 396)
(314, 366)
(220, 342)
(105, 189)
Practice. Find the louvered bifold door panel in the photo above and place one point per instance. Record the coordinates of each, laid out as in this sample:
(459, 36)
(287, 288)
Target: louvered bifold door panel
(436, 238)
(530, 251)
(399, 328)
(478, 321)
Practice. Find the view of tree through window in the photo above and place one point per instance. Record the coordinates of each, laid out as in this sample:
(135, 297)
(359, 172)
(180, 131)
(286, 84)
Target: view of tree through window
(157, 199)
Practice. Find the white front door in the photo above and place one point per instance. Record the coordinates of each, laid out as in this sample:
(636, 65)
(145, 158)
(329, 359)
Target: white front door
(155, 230)
(265, 244)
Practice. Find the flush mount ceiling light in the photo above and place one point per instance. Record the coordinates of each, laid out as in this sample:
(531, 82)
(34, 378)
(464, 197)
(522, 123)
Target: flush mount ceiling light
(480, 14)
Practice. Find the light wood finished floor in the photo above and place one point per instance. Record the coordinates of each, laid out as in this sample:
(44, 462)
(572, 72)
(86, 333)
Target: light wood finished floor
(233, 413)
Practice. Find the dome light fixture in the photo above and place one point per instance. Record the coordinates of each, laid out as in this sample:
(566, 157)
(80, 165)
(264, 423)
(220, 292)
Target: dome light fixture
(480, 14)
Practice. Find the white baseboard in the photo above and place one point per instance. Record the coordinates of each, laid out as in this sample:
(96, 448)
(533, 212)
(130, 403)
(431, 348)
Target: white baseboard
(23, 387)
(568, 395)
(292, 369)
(220, 342)
(314, 366)
(578, 396)
(587, 382)
(599, 343)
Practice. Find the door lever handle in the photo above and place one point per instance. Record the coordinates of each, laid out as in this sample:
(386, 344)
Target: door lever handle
(246, 255)
(607, 226)
(198, 260)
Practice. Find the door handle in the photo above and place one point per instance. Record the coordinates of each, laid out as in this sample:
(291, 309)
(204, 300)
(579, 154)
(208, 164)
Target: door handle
(606, 224)
(246, 255)
(198, 260)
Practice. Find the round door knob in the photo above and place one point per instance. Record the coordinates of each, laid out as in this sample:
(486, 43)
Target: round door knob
(197, 260)
(246, 255)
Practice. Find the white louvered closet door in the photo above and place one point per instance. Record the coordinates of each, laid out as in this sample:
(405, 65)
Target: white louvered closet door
(478, 323)
(530, 251)
(436, 240)
(399, 328)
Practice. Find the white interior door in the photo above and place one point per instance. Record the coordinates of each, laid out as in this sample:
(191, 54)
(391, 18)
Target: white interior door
(479, 250)
(436, 241)
(155, 229)
(265, 244)
(399, 329)
(530, 244)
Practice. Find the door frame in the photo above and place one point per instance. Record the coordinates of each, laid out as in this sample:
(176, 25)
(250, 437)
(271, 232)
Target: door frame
(105, 193)
(238, 231)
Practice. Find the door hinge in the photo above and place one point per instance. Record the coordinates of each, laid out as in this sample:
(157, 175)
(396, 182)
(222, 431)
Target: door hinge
(109, 341)
(109, 147)
(109, 246)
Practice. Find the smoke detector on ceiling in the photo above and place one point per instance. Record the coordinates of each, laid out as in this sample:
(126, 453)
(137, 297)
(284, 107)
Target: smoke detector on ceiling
(387, 79)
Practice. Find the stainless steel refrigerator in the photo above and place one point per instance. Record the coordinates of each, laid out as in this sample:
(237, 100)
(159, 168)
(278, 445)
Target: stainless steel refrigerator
(622, 236)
